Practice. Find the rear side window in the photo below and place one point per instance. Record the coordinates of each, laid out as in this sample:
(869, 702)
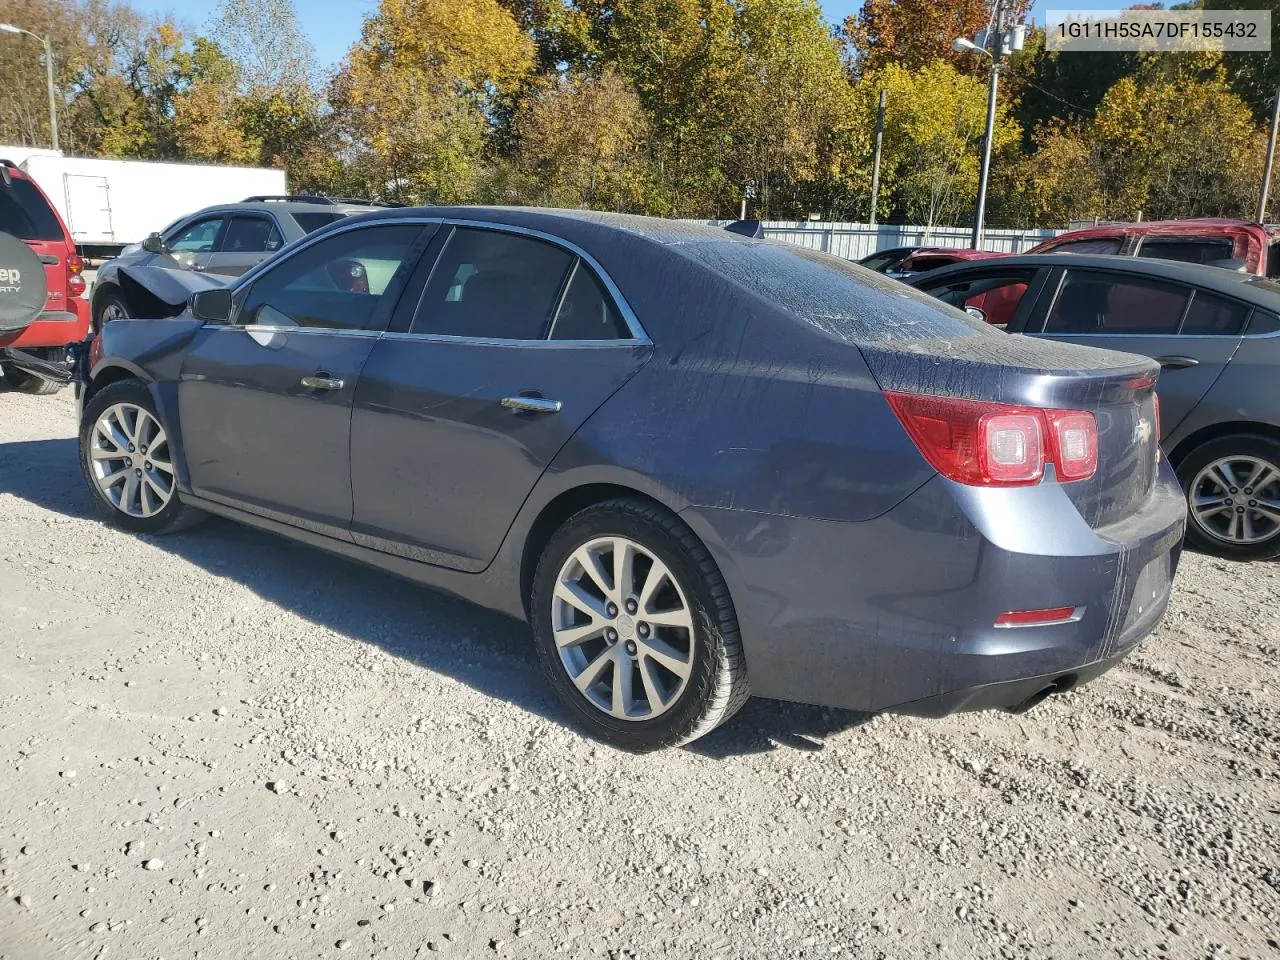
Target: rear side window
(1214, 316)
(490, 284)
(26, 214)
(1106, 246)
(1096, 302)
(310, 222)
(1187, 251)
(250, 235)
(587, 312)
(338, 283)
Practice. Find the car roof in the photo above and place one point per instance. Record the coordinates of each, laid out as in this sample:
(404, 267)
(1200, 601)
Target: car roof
(1218, 279)
(1197, 226)
(286, 206)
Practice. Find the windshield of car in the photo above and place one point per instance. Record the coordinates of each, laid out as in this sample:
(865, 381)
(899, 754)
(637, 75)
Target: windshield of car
(310, 222)
(25, 213)
(841, 298)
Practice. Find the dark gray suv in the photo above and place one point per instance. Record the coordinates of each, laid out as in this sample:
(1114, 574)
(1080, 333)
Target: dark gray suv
(227, 239)
(1215, 333)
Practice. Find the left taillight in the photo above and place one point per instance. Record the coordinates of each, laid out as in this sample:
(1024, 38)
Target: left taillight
(75, 280)
(998, 444)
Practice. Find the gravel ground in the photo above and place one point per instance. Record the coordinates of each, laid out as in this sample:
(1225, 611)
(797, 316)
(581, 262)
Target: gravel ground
(223, 745)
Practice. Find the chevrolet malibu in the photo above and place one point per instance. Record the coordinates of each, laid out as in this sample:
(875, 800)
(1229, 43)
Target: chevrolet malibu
(701, 466)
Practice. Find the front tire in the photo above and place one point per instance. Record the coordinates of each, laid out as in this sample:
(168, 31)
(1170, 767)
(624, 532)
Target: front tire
(108, 307)
(24, 382)
(127, 460)
(1232, 486)
(635, 629)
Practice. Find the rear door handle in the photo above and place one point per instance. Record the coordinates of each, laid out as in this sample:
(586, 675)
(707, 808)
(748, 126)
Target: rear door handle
(1177, 363)
(531, 404)
(322, 383)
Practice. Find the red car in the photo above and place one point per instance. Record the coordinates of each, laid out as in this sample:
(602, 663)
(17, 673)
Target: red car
(37, 360)
(1218, 241)
(930, 258)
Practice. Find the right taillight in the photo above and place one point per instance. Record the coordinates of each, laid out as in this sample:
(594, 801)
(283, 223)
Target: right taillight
(998, 444)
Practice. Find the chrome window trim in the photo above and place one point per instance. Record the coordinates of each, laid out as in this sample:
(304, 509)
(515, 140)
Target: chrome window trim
(638, 334)
(499, 342)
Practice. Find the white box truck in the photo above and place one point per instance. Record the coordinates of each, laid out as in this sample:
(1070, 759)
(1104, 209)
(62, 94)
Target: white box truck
(108, 204)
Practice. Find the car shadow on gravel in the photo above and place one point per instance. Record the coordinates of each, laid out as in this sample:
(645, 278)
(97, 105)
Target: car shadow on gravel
(487, 651)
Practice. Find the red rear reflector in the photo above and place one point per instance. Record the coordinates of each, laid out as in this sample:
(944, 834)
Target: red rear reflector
(1029, 618)
(998, 444)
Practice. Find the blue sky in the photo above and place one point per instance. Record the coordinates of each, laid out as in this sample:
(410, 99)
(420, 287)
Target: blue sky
(333, 25)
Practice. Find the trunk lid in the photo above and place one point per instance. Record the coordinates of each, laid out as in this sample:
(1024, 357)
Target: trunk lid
(1117, 388)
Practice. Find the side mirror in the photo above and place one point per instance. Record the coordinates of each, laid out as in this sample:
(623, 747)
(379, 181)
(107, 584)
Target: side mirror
(154, 244)
(211, 306)
(977, 313)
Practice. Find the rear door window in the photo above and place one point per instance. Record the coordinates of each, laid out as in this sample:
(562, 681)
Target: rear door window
(1091, 301)
(310, 222)
(250, 235)
(1187, 250)
(489, 284)
(25, 213)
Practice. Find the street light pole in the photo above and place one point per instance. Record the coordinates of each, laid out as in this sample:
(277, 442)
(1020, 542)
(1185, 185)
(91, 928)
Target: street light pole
(980, 212)
(48, 66)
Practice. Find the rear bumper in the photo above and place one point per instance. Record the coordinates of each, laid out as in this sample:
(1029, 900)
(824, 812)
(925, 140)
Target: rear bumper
(898, 613)
(56, 328)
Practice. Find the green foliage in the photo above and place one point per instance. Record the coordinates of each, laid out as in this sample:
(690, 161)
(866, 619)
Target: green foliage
(660, 106)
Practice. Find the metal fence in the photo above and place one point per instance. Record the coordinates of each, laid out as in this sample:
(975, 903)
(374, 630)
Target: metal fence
(853, 241)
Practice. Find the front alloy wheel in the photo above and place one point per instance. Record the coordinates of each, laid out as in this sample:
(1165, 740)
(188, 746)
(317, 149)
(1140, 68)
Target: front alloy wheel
(128, 462)
(635, 628)
(129, 452)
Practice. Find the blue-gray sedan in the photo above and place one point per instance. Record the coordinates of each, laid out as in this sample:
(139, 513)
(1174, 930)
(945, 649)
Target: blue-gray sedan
(701, 466)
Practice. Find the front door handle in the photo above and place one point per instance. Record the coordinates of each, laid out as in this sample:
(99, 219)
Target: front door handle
(531, 404)
(322, 383)
(1177, 363)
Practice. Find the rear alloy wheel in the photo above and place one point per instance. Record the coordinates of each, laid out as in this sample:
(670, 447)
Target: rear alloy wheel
(127, 460)
(1233, 497)
(635, 628)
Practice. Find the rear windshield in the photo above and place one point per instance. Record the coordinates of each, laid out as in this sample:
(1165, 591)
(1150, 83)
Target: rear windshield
(26, 214)
(310, 222)
(841, 298)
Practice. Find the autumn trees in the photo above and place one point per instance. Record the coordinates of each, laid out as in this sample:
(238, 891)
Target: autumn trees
(658, 106)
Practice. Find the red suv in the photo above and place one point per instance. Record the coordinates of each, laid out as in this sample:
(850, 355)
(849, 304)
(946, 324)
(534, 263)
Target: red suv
(1218, 241)
(38, 360)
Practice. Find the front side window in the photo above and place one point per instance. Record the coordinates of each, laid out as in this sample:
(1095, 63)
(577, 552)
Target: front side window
(251, 235)
(492, 285)
(337, 283)
(996, 297)
(196, 238)
(1096, 302)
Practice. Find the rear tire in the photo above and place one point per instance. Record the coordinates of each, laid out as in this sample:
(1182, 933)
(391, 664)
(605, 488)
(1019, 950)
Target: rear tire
(128, 463)
(643, 650)
(24, 382)
(1232, 486)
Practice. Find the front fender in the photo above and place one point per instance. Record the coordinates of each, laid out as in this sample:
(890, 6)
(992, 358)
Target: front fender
(155, 291)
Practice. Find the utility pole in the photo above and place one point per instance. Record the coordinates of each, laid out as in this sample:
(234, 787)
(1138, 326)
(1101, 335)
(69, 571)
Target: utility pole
(875, 164)
(1271, 156)
(980, 211)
